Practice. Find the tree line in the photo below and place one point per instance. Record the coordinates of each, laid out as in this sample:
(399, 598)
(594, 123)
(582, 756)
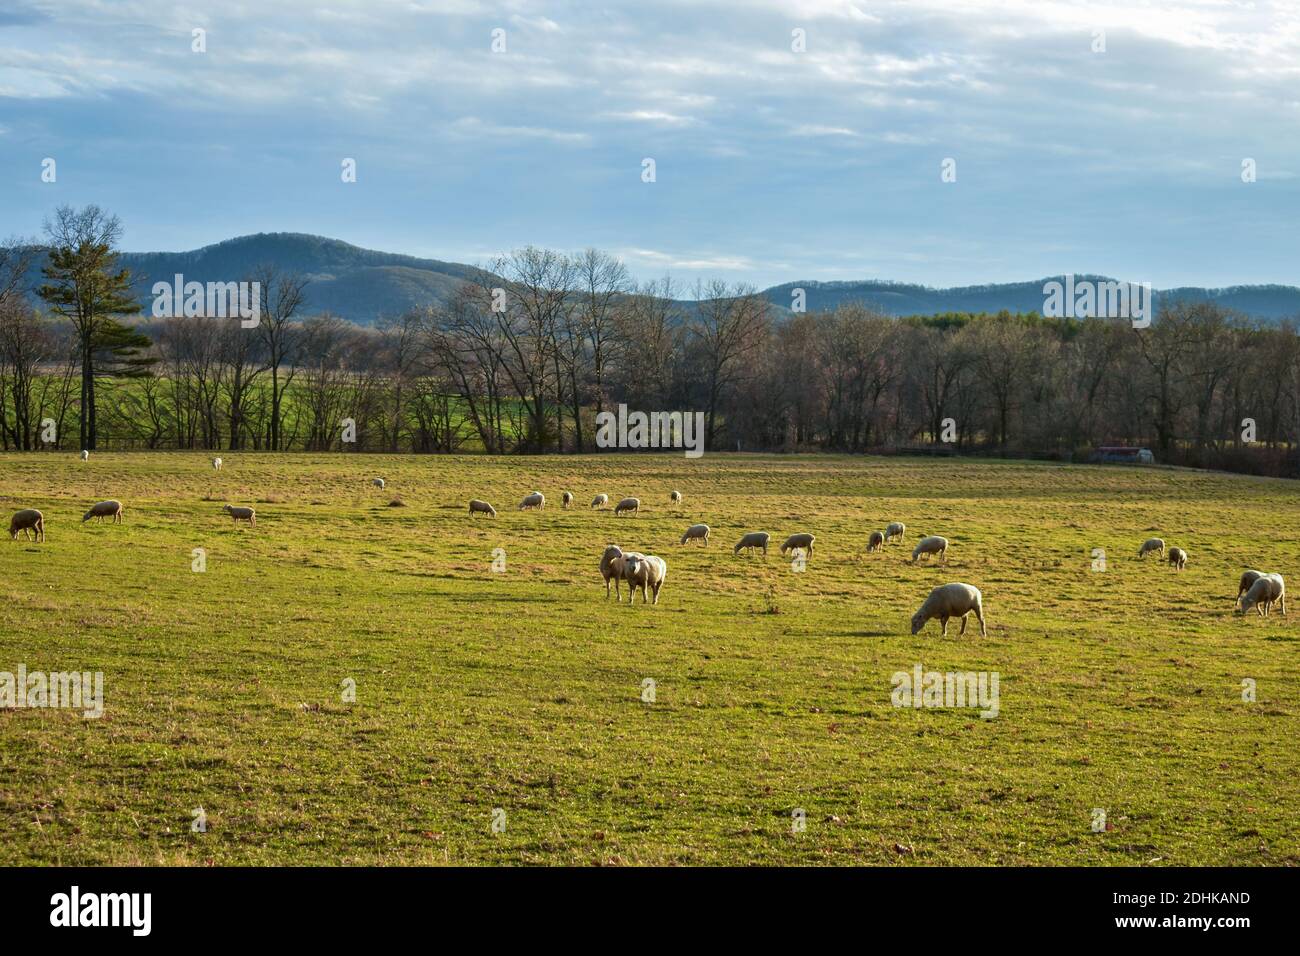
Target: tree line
(535, 344)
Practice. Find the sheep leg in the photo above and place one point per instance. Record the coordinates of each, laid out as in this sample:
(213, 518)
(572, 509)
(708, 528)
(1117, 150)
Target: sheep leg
(964, 618)
(979, 613)
(1282, 601)
(943, 620)
(657, 587)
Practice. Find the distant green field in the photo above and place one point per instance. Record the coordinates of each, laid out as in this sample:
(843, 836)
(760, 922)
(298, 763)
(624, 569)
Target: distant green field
(522, 690)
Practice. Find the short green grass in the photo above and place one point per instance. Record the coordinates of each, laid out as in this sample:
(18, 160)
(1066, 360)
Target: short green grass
(521, 690)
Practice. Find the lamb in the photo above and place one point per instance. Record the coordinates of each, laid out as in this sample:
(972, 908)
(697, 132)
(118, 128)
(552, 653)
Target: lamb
(1247, 579)
(752, 540)
(1266, 590)
(85, 455)
(216, 464)
(377, 482)
(240, 513)
(697, 532)
(951, 600)
(628, 504)
(1152, 544)
(1178, 558)
(646, 571)
(535, 500)
(566, 499)
(876, 541)
(934, 544)
(104, 509)
(481, 507)
(29, 521)
(675, 497)
(800, 539)
(600, 501)
(896, 529)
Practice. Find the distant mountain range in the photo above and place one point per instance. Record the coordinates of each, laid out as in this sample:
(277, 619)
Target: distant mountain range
(362, 285)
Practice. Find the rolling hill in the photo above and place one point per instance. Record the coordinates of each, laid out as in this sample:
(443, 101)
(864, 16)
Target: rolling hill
(363, 284)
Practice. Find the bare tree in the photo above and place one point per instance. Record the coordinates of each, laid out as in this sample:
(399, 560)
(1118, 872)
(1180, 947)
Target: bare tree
(727, 326)
(281, 302)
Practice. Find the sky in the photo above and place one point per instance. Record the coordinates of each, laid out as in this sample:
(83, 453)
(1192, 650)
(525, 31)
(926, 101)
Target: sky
(791, 141)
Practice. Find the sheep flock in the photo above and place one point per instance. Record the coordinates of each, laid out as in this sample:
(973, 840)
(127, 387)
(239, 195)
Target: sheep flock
(1257, 590)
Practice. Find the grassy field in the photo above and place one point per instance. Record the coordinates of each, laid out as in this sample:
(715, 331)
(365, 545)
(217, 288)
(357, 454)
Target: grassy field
(522, 690)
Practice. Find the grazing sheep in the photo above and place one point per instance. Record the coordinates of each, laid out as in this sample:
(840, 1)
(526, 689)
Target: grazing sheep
(1178, 558)
(896, 529)
(951, 600)
(240, 513)
(697, 532)
(216, 464)
(876, 541)
(645, 571)
(1152, 544)
(535, 500)
(934, 544)
(481, 507)
(377, 482)
(752, 540)
(104, 509)
(628, 504)
(85, 455)
(800, 539)
(1247, 579)
(1266, 590)
(28, 521)
(675, 497)
(566, 499)
(600, 501)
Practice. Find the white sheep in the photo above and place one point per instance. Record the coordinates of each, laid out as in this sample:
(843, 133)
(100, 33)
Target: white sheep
(628, 504)
(28, 521)
(752, 540)
(377, 482)
(876, 541)
(240, 513)
(951, 600)
(566, 499)
(895, 529)
(934, 544)
(645, 571)
(600, 501)
(481, 507)
(801, 539)
(216, 464)
(697, 532)
(675, 497)
(1178, 558)
(104, 509)
(85, 455)
(1152, 544)
(1248, 578)
(535, 500)
(1266, 590)
(611, 569)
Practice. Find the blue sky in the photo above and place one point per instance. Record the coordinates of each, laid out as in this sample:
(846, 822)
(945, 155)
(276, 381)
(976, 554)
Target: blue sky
(771, 165)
